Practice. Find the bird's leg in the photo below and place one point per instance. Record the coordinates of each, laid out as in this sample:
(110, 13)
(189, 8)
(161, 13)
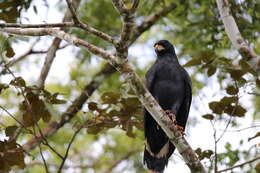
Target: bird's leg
(173, 118)
(180, 130)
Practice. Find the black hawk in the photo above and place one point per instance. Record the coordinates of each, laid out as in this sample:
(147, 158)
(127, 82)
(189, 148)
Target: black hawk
(170, 85)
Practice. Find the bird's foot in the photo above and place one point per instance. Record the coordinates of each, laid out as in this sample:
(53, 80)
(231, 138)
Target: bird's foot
(180, 130)
(170, 115)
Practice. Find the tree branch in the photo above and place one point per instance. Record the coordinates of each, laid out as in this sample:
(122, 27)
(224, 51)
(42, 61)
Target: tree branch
(117, 162)
(62, 35)
(88, 28)
(240, 165)
(19, 58)
(68, 148)
(52, 51)
(128, 16)
(73, 109)
(39, 25)
(30, 51)
(235, 36)
(152, 19)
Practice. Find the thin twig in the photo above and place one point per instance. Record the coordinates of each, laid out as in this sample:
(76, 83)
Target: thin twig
(43, 159)
(68, 148)
(88, 28)
(117, 162)
(152, 19)
(215, 147)
(240, 165)
(19, 58)
(8, 113)
(52, 51)
(231, 116)
(239, 130)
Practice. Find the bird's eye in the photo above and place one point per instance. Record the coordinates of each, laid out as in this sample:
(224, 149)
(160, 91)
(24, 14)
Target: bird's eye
(158, 47)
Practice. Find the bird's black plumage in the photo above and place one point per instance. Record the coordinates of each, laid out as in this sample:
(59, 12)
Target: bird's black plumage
(170, 85)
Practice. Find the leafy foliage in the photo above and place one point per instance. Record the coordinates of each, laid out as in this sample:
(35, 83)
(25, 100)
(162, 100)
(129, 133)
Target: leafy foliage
(11, 155)
(11, 10)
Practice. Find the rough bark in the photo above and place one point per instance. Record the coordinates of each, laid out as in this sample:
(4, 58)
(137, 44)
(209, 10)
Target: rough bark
(235, 36)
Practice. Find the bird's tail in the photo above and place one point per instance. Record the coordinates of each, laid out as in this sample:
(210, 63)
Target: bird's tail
(154, 164)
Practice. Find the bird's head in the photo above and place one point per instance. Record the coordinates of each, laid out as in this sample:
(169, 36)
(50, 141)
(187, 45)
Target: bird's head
(164, 47)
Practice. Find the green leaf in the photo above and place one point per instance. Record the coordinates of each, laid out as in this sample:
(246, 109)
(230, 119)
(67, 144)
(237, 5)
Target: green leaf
(10, 130)
(94, 130)
(208, 116)
(3, 86)
(203, 154)
(237, 111)
(54, 100)
(46, 116)
(58, 101)
(245, 66)
(257, 167)
(34, 110)
(193, 62)
(224, 60)
(217, 107)
(236, 73)
(35, 9)
(9, 51)
(206, 55)
(110, 97)
(211, 70)
(92, 106)
(228, 100)
(18, 81)
(232, 90)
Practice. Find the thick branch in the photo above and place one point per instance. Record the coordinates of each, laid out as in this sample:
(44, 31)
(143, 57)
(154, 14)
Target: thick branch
(235, 36)
(40, 25)
(152, 19)
(73, 109)
(52, 51)
(127, 15)
(240, 165)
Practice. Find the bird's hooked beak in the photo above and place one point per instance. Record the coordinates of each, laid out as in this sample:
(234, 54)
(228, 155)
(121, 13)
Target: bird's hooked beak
(158, 47)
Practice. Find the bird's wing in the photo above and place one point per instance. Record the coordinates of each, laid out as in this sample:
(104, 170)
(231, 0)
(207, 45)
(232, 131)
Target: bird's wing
(150, 77)
(185, 107)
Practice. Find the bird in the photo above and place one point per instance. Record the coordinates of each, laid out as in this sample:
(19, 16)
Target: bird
(170, 85)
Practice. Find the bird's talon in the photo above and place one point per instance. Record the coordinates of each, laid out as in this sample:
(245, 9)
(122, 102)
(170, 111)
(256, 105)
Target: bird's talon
(180, 130)
(170, 115)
